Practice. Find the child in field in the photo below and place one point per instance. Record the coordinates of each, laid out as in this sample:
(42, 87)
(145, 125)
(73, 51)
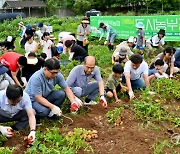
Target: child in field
(114, 84)
(140, 38)
(47, 44)
(157, 71)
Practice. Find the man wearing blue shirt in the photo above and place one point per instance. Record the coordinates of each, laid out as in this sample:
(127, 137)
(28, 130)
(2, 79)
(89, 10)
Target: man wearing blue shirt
(79, 81)
(45, 100)
(15, 105)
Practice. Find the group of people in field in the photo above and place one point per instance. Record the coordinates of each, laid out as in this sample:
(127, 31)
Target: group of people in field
(38, 74)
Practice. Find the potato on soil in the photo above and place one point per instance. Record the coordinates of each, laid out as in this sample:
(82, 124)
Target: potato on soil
(70, 133)
(94, 136)
(94, 132)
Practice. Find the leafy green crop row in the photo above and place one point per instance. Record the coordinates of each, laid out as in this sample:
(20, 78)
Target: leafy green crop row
(51, 141)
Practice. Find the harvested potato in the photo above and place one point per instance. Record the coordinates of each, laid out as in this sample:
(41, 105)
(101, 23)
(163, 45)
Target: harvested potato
(94, 132)
(70, 133)
(94, 136)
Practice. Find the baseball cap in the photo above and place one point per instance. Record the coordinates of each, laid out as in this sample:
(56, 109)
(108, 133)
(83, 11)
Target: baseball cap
(9, 38)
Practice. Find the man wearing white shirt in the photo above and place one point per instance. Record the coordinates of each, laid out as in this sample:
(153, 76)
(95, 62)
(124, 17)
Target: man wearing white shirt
(157, 41)
(134, 70)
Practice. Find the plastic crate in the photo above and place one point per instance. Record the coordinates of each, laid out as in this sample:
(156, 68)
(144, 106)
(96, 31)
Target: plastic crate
(64, 62)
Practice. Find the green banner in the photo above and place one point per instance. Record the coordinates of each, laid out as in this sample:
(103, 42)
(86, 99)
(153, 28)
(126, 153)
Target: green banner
(125, 25)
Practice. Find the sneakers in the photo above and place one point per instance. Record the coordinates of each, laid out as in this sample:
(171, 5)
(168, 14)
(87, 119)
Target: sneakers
(38, 122)
(90, 103)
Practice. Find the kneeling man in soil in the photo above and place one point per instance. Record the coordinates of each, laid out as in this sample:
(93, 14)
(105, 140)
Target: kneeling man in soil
(15, 105)
(79, 81)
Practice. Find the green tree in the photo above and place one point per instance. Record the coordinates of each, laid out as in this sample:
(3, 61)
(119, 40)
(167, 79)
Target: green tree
(81, 6)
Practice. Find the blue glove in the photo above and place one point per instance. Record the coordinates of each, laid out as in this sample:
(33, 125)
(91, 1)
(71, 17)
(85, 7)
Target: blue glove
(143, 46)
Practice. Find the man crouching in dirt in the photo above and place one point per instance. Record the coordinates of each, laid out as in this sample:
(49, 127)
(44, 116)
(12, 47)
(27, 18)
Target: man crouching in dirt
(15, 105)
(46, 101)
(79, 81)
(134, 70)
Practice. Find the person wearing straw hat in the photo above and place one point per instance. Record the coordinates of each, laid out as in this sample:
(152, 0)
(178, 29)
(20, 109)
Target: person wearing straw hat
(83, 32)
(140, 38)
(156, 41)
(5, 79)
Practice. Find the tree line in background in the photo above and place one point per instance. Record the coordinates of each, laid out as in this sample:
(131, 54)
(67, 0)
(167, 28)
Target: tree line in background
(143, 6)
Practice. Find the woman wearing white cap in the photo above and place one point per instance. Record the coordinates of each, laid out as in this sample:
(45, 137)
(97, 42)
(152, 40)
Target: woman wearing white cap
(83, 32)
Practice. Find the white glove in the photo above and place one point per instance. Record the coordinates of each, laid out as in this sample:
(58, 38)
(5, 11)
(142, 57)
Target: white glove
(171, 76)
(131, 95)
(56, 110)
(103, 102)
(31, 137)
(105, 42)
(78, 101)
(6, 131)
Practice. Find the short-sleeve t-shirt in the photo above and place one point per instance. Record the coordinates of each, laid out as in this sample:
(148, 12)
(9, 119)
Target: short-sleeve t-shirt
(136, 73)
(8, 110)
(10, 60)
(38, 84)
(112, 82)
(46, 49)
(30, 47)
(140, 35)
(80, 29)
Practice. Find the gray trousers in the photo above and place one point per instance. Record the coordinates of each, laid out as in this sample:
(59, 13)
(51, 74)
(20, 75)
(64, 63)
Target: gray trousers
(92, 90)
(21, 118)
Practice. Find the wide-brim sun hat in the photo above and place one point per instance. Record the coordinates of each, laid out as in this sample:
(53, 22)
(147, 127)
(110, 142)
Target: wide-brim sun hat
(32, 58)
(123, 51)
(139, 25)
(161, 31)
(3, 69)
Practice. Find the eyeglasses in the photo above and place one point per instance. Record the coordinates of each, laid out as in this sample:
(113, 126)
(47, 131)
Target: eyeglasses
(53, 73)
